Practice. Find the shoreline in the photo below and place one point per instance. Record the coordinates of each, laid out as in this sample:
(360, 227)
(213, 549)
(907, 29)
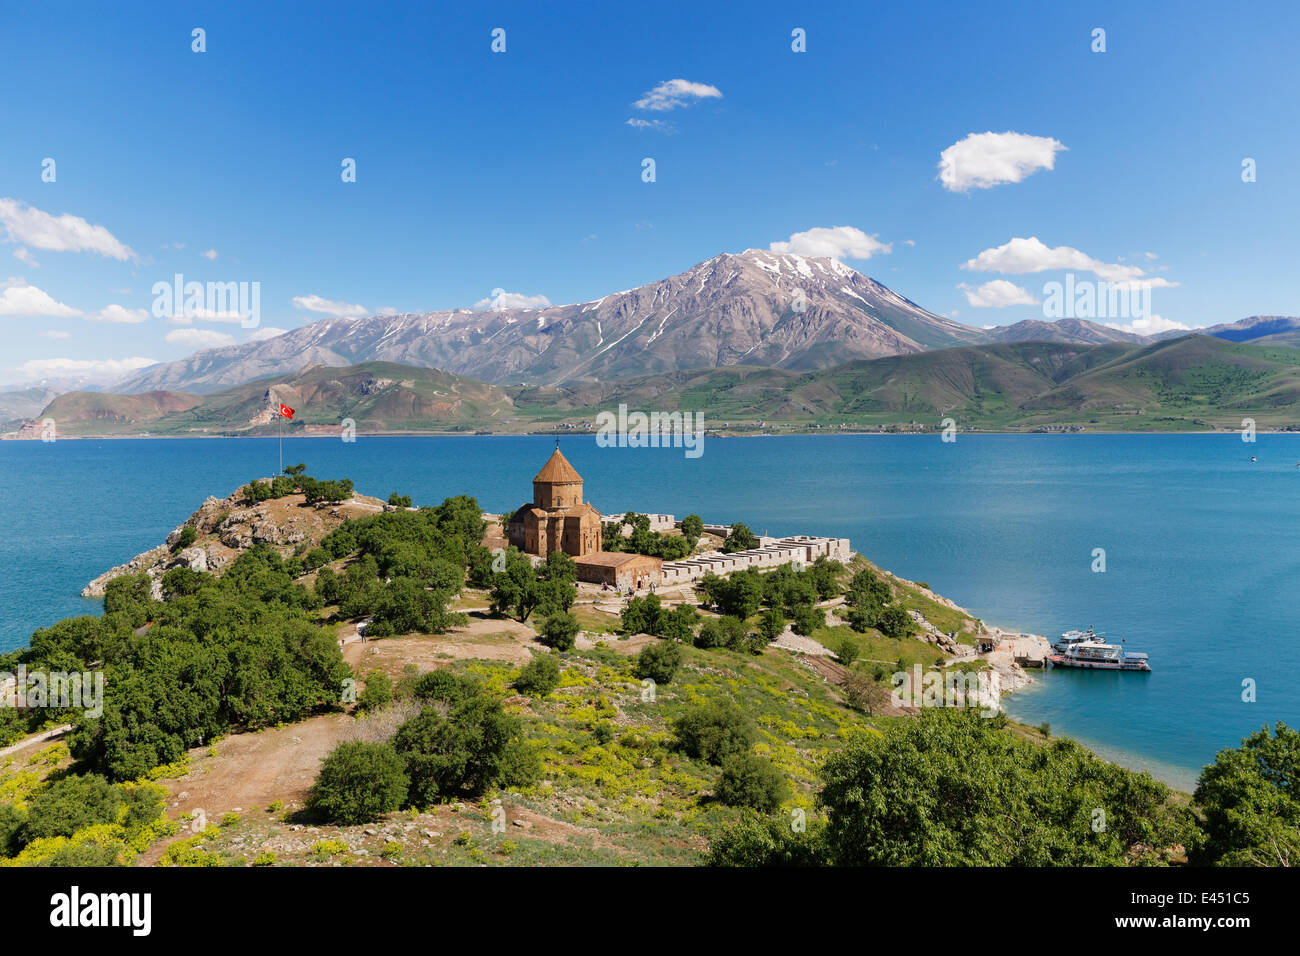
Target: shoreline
(566, 433)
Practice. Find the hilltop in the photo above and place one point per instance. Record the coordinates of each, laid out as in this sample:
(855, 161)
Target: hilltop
(1194, 382)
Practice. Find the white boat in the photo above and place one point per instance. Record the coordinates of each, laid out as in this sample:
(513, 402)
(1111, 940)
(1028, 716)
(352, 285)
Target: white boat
(1098, 655)
(1071, 638)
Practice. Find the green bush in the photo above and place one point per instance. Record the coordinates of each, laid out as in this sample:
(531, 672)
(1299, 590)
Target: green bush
(462, 754)
(659, 661)
(539, 677)
(749, 780)
(714, 731)
(847, 650)
(560, 631)
(377, 693)
(358, 782)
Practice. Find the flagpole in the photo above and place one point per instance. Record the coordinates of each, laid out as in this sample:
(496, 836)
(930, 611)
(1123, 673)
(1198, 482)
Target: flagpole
(279, 429)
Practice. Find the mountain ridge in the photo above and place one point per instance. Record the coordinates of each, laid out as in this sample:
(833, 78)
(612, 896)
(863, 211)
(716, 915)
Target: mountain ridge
(1193, 382)
(755, 307)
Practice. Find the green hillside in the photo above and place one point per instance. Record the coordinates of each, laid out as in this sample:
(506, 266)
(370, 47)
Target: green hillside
(1191, 383)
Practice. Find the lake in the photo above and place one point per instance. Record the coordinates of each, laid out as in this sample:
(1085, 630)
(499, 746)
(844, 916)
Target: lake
(1202, 555)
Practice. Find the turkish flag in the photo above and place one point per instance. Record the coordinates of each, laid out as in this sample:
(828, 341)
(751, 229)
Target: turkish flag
(286, 411)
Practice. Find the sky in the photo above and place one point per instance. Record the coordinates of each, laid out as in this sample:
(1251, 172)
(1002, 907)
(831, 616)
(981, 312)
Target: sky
(963, 154)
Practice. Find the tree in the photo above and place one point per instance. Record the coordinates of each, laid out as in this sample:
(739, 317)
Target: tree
(952, 788)
(756, 841)
(539, 677)
(659, 662)
(558, 566)
(740, 594)
(1251, 803)
(749, 780)
(729, 632)
(559, 631)
(847, 650)
(463, 753)
(515, 590)
(642, 615)
(714, 730)
(866, 598)
(692, 528)
(399, 501)
(740, 539)
(71, 804)
(186, 538)
(895, 622)
(771, 625)
(358, 782)
(679, 623)
(807, 620)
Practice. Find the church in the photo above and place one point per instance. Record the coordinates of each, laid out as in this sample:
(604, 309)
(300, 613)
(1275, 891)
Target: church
(559, 520)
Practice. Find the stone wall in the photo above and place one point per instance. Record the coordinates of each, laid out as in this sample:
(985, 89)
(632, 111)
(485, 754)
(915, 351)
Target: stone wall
(796, 548)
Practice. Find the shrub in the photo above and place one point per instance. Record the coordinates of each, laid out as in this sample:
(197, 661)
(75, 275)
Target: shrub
(714, 731)
(264, 859)
(377, 693)
(539, 677)
(463, 753)
(560, 631)
(771, 624)
(358, 782)
(749, 780)
(806, 620)
(722, 632)
(847, 650)
(659, 661)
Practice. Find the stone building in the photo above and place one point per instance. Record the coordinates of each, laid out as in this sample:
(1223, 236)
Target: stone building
(619, 569)
(558, 519)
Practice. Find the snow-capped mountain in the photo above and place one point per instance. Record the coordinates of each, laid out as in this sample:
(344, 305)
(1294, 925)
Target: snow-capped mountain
(755, 308)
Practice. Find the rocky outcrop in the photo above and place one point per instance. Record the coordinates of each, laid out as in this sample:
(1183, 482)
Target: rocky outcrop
(226, 527)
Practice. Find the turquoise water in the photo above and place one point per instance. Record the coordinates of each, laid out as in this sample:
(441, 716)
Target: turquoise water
(1202, 552)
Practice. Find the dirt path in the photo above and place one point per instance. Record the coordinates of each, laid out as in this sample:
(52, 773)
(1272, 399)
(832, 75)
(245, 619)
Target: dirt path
(252, 770)
(42, 737)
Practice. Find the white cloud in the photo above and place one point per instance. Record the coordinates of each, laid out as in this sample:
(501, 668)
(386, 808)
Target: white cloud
(997, 294)
(23, 255)
(210, 255)
(199, 338)
(66, 233)
(20, 300)
(501, 299)
(658, 126)
(88, 368)
(57, 334)
(342, 310)
(1020, 256)
(985, 160)
(119, 315)
(835, 242)
(266, 332)
(1150, 326)
(671, 94)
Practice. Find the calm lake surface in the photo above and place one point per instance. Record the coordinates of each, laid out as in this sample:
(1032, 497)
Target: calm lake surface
(1202, 546)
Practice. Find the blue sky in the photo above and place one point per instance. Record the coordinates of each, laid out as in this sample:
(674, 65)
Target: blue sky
(518, 170)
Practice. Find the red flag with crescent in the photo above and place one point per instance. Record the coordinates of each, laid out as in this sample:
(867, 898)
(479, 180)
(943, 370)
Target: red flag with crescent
(286, 411)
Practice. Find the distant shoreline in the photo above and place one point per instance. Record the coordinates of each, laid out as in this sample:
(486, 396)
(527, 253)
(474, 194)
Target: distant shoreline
(563, 433)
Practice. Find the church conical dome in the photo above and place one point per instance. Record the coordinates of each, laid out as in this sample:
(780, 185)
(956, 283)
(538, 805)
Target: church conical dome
(557, 470)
